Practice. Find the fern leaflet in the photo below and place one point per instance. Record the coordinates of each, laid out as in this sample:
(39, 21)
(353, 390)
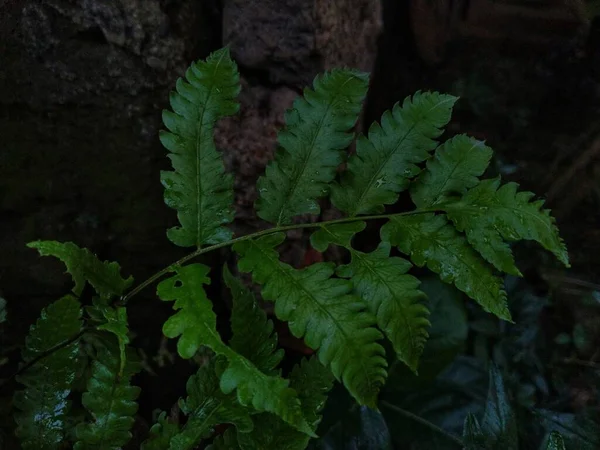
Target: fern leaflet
(195, 322)
(198, 187)
(453, 169)
(489, 213)
(432, 242)
(253, 335)
(386, 160)
(321, 310)
(84, 266)
(43, 405)
(381, 281)
(110, 399)
(312, 380)
(207, 406)
(316, 132)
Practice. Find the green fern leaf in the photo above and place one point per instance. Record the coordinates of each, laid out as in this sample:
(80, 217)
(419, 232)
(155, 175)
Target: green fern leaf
(84, 266)
(556, 442)
(198, 188)
(386, 160)
(312, 380)
(454, 168)
(207, 406)
(252, 334)
(43, 405)
(432, 242)
(316, 132)
(381, 281)
(489, 213)
(115, 322)
(161, 433)
(111, 401)
(227, 441)
(196, 322)
(321, 310)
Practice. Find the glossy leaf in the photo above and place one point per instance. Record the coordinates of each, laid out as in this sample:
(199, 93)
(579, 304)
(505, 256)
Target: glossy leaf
(110, 399)
(116, 323)
(489, 214)
(390, 294)
(322, 310)
(43, 405)
(198, 187)
(207, 406)
(386, 160)
(253, 335)
(311, 144)
(195, 322)
(84, 266)
(431, 241)
(454, 168)
(312, 380)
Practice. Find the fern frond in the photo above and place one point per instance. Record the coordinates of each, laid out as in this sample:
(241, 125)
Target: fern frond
(113, 320)
(489, 213)
(317, 129)
(161, 433)
(454, 168)
(83, 265)
(312, 380)
(111, 401)
(196, 322)
(43, 405)
(252, 334)
(431, 241)
(386, 160)
(198, 187)
(207, 406)
(321, 310)
(390, 294)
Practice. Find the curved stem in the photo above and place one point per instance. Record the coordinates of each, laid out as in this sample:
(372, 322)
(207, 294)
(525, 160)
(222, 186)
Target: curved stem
(433, 427)
(257, 234)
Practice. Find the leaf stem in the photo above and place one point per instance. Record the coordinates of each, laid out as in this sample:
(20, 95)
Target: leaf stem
(424, 422)
(255, 235)
(42, 355)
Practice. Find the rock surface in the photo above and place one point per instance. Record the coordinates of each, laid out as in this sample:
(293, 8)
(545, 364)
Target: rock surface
(82, 85)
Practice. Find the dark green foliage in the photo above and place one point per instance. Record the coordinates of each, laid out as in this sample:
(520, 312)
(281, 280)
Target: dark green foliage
(432, 242)
(198, 187)
(461, 230)
(391, 294)
(43, 404)
(110, 400)
(386, 160)
(323, 311)
(83, 265)
(312, 145)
